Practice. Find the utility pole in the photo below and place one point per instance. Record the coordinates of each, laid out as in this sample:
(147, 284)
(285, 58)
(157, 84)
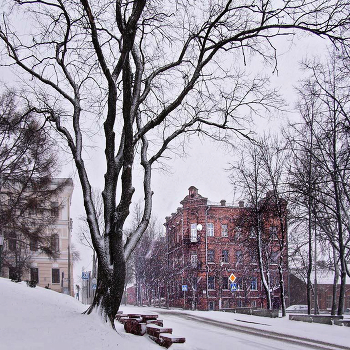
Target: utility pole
(315, 280)
(70, 223)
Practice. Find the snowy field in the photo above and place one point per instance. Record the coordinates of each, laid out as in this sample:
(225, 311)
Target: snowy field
(37, 318)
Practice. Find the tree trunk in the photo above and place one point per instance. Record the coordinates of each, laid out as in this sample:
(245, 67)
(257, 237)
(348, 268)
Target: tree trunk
(335, 282)
(309, 269)
(110, 288)
(282, 289)
(265, 283)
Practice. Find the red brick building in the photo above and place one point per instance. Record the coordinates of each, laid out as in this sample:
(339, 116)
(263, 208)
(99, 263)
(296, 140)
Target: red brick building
(207, 243)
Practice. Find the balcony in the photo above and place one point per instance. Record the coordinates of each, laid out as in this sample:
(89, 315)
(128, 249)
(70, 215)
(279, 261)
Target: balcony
(188, 240)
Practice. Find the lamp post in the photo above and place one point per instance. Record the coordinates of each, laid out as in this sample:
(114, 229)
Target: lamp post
(1, 244)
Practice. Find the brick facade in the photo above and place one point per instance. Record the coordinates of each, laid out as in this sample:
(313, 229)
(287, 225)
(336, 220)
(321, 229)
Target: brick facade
(206, 243)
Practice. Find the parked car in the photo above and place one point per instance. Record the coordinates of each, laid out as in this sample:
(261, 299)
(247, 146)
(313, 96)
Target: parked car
(297, 309)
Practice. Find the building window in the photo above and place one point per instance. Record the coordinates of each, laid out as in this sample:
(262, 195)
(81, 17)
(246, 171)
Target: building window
(238, 233)
(210, 229)
(239, 256)
(253, 283)
(193, 232)
(273, 232)
(54, 209)
(224, 231)
(224, 284)
(224, 256)
(194, 283)
(274, 257)
(211, 305)
(211, 282)
(225, 303)
(239, 283)
(55, 243)
(239, 303)
(211, 255)
(253, 303)
(329, 302)
(55, 275)
(12, 242)
(33, 245)
(34, 274)
(194, 260)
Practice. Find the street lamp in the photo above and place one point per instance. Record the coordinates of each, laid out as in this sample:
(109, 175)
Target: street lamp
(1, 244)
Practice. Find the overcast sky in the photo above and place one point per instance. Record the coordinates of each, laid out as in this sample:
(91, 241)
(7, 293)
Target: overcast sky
(205, 163)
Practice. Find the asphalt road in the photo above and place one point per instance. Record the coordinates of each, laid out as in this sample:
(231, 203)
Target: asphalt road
(207, 334)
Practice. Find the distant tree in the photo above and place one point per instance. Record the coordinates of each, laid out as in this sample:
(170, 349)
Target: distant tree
(321, 166)
(148, 72)
(248, 174)
(261, 173)
(28, 195)
(275, 158)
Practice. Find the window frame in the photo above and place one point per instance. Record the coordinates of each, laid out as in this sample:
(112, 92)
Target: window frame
(211, 282)
(55, 209)
(210, 229)
(225, 284)
(33, 245)
(253, 282)
(211, 255)
(193, 233)
(225, 256)
(54, 276)
(224, 230)
(34, 271)
(194, 259)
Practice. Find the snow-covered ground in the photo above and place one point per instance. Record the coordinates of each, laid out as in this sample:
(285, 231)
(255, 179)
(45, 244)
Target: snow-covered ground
(37, 318)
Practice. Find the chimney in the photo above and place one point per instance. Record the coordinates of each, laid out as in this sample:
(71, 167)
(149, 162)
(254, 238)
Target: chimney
(223, 202)
(193, 192)
(241, 204)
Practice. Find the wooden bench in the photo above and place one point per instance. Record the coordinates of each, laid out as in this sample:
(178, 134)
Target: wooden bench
(345, 323)
(140, 324)
(167, 340)
(154, 330)
(134, 326)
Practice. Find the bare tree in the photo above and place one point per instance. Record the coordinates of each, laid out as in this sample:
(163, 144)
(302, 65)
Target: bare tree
(275, 157)
(157, 71)
(249, 174)
(324, 158)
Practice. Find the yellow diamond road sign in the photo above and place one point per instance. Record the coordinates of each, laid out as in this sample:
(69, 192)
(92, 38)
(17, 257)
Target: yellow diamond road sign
(232, 277)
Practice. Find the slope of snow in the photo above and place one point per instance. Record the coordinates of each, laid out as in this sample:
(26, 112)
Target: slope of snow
(41, 319)
(38, 319)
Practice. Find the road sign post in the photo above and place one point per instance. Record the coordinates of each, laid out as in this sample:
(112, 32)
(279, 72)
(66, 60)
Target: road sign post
(184, 289)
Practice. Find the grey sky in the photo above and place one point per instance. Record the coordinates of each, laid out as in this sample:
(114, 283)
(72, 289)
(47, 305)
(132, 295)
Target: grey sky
(205, 162)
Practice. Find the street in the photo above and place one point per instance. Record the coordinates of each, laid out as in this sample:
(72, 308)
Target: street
(207, 334)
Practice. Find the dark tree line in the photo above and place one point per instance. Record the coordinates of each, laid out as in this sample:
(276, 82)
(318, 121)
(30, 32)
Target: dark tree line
(28, 196)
